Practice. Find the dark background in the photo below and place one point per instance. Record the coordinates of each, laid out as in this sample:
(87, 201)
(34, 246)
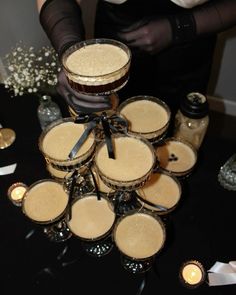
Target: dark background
(202, 227)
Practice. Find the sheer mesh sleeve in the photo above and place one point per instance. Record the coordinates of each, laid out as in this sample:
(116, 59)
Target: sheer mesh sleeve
(215, 16)
(211, 17)
(62, 22)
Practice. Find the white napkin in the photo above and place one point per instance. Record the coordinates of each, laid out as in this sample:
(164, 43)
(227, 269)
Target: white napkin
(8, 169)
(222, 274)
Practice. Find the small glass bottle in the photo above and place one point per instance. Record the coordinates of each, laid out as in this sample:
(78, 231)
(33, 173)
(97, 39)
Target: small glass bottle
(192, 119)
(48, 111)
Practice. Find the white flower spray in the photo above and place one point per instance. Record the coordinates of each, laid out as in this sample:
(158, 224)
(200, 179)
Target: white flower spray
(31, 71)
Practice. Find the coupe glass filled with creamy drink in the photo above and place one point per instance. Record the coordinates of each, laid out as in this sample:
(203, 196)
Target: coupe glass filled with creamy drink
(91, 220)
(176, 156)
(57, 141)
(139, 235)
(133, 164)
(161, 193)
(45, 202)
(97, 66)
(146, 115)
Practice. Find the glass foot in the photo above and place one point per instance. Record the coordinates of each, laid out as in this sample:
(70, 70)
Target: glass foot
(137, 266)
(7, 137)
(58, 232)
(99, 248)
(124, 202)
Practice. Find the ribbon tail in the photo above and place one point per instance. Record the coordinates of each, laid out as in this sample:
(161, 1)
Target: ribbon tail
(95, 185)
(82, 139)
(107, 132)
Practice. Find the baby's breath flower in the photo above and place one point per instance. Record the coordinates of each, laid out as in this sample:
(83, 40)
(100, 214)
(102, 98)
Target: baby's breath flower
(31, 71)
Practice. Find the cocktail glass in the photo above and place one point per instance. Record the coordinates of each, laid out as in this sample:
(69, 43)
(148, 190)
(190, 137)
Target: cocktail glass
(57, 141)
(176, 156)
(45, 203)
(139, 235)
(161, 193)
(133, 164)
(97, 66)
(91, 220)
(146, 115)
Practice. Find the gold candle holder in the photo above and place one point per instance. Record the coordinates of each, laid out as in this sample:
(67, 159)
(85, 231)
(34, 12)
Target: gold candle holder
(7, 137)
(192, 274)
(16, 193)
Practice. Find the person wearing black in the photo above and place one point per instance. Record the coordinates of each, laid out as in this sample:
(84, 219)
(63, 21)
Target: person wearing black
(172, 43)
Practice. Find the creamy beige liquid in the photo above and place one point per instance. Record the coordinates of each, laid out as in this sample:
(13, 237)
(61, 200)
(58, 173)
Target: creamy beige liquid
(184, 155)
(133, 159)
(56, 173)
(101, 185)
(160, 189)
(91, 218)
(192, 274)
(45, 201)
(60, 140)
(145, 116)
(139, 235)
(96, 60)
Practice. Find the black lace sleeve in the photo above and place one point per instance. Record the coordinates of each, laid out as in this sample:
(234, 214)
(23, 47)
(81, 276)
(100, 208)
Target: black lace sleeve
(211, 17)
(215, 16)
(62, 22)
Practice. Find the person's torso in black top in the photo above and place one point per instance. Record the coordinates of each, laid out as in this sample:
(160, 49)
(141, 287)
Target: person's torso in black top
(172, 73)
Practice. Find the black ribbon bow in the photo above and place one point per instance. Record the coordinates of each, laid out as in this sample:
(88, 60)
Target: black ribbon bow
(110, 124)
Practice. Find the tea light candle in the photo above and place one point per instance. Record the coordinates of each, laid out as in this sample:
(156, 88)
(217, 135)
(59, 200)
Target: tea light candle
(16, 193)
(192, 273)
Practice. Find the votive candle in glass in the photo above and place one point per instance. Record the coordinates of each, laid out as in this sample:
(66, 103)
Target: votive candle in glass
(192, 274)
(16, 193)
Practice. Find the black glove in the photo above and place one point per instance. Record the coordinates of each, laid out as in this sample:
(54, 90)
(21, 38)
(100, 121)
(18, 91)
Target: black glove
(151, 36)
(62, 22)
(157, 34)
(81, 103)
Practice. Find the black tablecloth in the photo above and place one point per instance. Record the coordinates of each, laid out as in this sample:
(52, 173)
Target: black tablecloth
(202, 227)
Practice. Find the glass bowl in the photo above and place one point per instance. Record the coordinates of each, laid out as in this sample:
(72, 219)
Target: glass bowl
(176, 156)
(161, 193)
(57, 141)
(45, 201)
(134, 162)
(139, 235)
(97, 66)
(148, 116)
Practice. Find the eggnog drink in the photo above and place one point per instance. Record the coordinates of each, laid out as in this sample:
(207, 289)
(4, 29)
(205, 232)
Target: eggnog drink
(45, 201)
(161, 189)
(146, 115)
(97, 65)
(134, 158)
(91, 218)
(139, 235)
(176, 156)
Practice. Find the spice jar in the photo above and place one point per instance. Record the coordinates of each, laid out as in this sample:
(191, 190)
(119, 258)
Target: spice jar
(192, 119)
